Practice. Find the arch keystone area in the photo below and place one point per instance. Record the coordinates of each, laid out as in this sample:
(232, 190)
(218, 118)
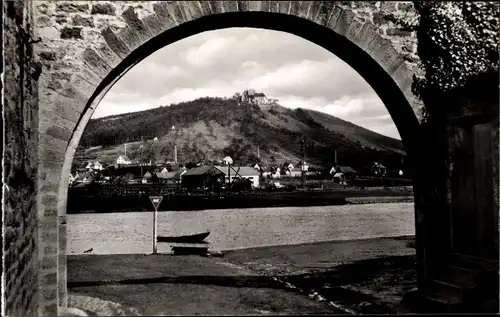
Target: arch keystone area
(86, 46)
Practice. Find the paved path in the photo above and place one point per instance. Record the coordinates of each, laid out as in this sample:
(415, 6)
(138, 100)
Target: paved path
(240, 283)
(157, 285)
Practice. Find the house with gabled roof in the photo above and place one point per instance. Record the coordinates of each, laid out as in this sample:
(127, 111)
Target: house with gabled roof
(378, 169)
(204, 176)
(171, 177)
(123, 160)
(246, 172)
(343, 172)
(295, 172)
(71, 179)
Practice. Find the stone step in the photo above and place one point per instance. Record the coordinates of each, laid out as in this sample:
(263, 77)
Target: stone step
(437, 304)
(473, 263)
(451, 290)
(458, 276)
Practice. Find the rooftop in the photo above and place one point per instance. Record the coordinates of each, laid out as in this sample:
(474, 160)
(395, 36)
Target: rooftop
(206, 169)
(241, 170)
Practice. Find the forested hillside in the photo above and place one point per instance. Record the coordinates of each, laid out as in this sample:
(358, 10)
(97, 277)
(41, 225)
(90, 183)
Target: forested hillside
(207, 129)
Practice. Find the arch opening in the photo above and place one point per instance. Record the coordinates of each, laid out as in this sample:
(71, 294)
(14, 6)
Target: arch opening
(375, 75)
(388, 91)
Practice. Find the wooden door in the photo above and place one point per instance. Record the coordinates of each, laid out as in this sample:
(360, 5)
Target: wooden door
(474, 190)
(485, 145)
(461, 182)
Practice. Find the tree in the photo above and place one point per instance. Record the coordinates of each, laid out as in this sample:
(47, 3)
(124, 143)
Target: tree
(456, 41)
(129, 176)
(154, 178)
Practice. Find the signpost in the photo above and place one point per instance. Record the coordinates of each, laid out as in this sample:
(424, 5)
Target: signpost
(156, 201)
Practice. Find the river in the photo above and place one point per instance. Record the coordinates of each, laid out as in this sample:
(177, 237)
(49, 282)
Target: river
(131, 232)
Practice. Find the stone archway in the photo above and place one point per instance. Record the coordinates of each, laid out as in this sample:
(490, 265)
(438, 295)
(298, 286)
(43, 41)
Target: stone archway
(87, 46)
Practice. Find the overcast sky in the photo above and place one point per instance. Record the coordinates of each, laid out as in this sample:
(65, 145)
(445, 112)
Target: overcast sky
(219, 63)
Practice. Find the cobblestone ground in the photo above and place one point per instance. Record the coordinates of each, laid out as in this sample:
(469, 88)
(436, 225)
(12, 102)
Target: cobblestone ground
(80, 305)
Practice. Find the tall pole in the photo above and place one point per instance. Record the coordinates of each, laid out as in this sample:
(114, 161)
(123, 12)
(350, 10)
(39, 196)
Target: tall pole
(140, 162)
(303, 162)
(175, 144)
(155, 244)
(229, 174)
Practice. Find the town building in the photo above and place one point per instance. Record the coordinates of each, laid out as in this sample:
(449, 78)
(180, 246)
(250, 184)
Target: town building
(347, 171)
(94, 166)
(304, 166)
(227, 160)
(378, 169)
(123, 160)
(132, 173)
(235, 172)
(166, 177)
(272, 172)
(204, 177)
(339, 178)
(147, 177)
(295, 172)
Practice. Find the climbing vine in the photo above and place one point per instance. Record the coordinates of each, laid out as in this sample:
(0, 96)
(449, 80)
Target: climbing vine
(456, 41)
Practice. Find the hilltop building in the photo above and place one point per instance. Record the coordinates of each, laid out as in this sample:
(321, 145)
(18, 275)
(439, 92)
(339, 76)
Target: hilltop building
(253, 97)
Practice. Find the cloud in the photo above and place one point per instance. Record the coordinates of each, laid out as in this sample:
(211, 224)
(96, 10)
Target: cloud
(219, 63)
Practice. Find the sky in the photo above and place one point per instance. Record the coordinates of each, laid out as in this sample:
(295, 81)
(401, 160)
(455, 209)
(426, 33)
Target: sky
(299, 73)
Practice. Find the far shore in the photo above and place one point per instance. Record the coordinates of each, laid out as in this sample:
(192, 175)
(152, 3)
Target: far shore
(239, 201)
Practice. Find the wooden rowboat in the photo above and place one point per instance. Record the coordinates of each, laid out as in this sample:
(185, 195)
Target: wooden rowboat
(193, 238)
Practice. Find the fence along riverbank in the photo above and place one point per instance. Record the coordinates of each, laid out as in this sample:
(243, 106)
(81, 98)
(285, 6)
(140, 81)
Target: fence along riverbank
(123, 198)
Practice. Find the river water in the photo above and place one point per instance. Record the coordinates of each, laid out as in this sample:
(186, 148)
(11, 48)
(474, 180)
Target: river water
(131, 232)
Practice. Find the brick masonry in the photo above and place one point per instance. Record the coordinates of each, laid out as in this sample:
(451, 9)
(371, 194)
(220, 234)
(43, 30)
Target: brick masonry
(83, 41)
(20, 181)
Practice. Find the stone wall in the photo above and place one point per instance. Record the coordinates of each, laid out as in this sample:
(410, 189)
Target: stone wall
(20, 164)
(83, 42)
(85, 19)
(404, 41)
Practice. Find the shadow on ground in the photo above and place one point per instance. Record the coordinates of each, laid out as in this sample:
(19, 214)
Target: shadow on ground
(373, 286)
(287, 280)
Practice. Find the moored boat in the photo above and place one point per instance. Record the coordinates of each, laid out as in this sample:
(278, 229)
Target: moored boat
(193, 238)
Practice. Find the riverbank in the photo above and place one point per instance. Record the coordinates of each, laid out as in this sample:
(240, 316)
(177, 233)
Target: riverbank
(257, 199)
(379, 200)
(368, 276)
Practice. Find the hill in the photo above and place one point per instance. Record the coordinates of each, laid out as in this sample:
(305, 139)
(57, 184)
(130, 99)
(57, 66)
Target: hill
(208, 129)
